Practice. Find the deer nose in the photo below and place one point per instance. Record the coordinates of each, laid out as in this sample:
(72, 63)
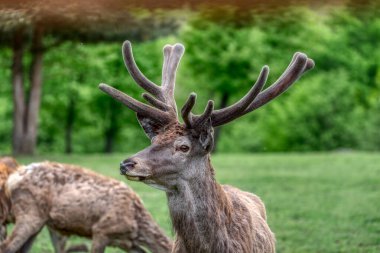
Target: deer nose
(126, 166)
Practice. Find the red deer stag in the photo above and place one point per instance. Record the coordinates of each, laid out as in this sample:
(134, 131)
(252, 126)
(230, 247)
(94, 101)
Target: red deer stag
(206, 216)
(75, 201)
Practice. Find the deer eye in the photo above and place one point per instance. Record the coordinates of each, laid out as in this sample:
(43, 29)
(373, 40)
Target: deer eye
(184, 148)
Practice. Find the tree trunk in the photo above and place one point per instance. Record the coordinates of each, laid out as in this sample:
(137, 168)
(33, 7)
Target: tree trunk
(110, 131)
(223, 103)
(109, 140)
(70, 117)
(18, 92)
(34, 100)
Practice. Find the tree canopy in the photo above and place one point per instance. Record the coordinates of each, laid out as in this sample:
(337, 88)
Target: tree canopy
(335, 106)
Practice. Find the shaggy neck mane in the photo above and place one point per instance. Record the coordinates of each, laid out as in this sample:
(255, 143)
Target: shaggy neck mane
(200, 211)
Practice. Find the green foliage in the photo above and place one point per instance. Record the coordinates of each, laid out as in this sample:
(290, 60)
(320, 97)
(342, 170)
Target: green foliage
(334, 106)
(96, 114)
(5, 102)
(314, 118)
(223, 57)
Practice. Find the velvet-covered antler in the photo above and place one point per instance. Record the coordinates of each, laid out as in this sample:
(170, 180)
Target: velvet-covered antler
(163, 110)
(254, 99)
(161, 98)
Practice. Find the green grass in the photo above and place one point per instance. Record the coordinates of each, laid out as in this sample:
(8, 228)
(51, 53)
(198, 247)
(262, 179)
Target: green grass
(324, 202)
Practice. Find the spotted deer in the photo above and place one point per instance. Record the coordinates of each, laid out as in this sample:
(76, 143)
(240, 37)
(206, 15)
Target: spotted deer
(206, 216)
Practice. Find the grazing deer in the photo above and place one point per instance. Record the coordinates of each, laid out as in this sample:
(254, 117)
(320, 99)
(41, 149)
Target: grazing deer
(206, 216)
(71, 200)
(9, 165)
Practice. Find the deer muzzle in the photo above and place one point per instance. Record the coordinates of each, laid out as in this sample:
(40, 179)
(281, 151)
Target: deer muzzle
(126, 166)
(134, 170)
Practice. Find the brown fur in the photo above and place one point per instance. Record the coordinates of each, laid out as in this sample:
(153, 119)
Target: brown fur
(9, 165)
(221, 219)
(207, 217)
(73, 200)
(171, 132)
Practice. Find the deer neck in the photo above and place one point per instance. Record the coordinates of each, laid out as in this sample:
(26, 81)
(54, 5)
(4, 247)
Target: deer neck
(199, 209)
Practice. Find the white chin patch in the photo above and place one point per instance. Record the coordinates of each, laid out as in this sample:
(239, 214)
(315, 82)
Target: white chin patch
(157, 186)
(132, 178)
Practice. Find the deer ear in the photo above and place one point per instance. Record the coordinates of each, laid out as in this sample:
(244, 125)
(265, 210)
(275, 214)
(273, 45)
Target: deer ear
(206, 136)
(151, 127)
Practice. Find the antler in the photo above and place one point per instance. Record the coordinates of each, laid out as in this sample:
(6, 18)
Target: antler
(163, 108)
(253, 100)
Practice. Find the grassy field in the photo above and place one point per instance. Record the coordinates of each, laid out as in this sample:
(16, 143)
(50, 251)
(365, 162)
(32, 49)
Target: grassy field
(324, 202)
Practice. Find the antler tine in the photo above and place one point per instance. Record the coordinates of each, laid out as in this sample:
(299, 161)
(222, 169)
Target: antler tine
(233, 111)
(299, 65)
(195, 121)
(309, 65)
(201, 119)
(136, 74)
(167, 52)
(135, 105)
(186, 109)
(170, 67)
(155, 102)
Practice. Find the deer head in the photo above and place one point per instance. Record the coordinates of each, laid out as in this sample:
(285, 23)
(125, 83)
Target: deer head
(181, 151)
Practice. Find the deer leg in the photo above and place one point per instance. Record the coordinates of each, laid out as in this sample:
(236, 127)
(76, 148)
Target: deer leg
(28, 244)
(136, 249)
(99, 243)
(58, 241)
(3, 232)
(22, 236)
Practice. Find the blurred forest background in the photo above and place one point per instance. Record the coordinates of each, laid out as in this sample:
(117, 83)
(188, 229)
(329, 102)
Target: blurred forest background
(54, 55)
